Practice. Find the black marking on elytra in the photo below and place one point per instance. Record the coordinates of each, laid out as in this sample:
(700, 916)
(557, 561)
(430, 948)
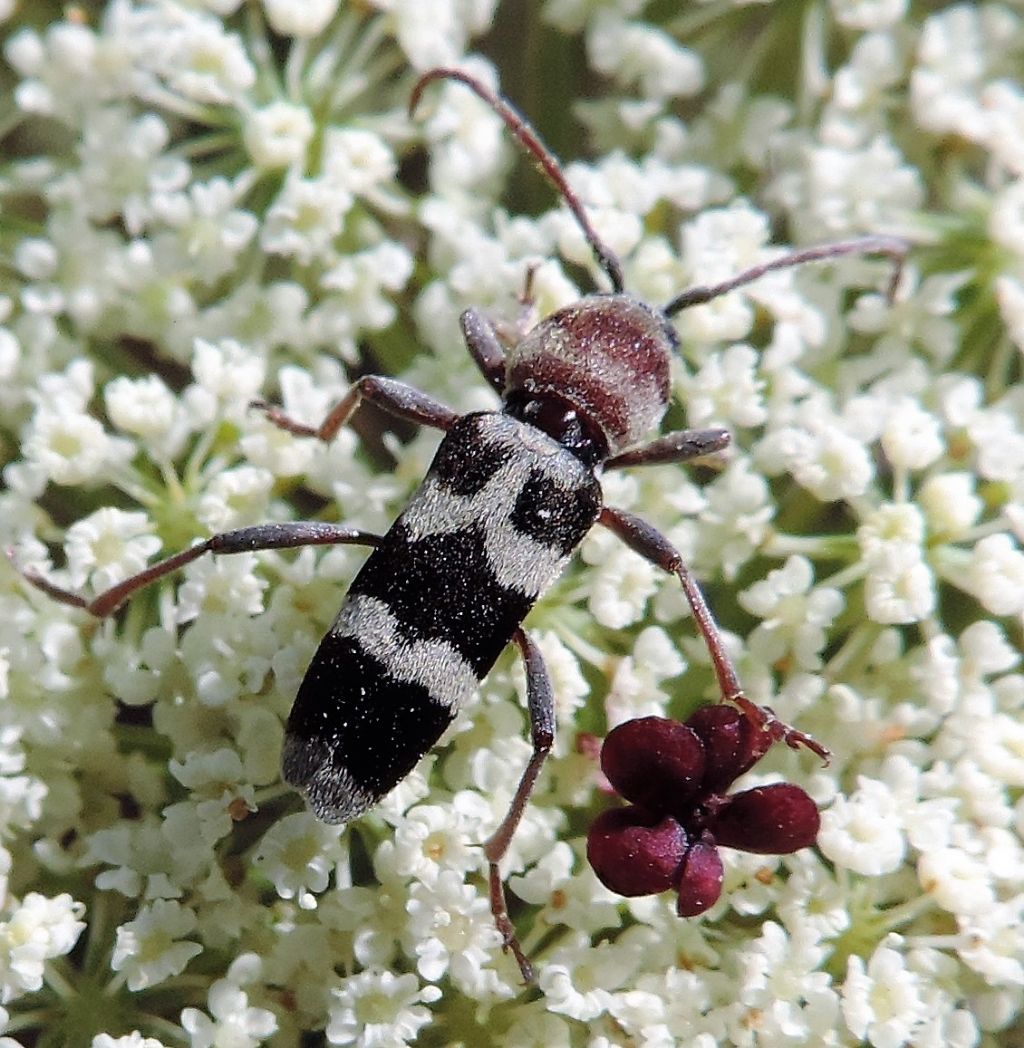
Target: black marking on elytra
(465, 461)
(442, 588)
(375, 728)
(554, 516)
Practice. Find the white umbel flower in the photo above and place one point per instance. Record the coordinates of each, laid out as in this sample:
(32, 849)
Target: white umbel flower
(995, 575)
(278, 134)
(109, 546)
(153, 947)
(299, 17)
(864, 832)
(882, 1001)
(38, 929)
(378, 1009)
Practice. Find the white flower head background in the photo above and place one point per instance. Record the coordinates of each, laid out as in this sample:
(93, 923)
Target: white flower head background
(203, 202)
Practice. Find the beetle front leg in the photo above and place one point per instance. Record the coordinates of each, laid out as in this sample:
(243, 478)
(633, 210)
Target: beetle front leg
(681, 445)
(287, 535)
(484, 347)
(541, 705)
(396, 398)
(484, 338)
(646, 540)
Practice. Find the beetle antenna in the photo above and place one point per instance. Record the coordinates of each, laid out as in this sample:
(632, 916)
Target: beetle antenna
(892, 248)
(542, 156)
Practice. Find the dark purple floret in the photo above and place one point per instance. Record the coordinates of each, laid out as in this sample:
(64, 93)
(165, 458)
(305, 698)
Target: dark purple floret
(635, 853)
(700, 881)
(768, 820)
(676, 776)
(654, 762)
(732, 744)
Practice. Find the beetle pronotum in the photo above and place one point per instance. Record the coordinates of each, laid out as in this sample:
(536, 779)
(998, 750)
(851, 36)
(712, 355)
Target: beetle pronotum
(509, 497)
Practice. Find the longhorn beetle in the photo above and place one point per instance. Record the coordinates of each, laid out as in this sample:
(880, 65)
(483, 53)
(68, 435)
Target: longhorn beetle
(508, 498)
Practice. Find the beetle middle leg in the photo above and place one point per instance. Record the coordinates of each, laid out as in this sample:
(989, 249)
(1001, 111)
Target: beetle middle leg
(284, 535)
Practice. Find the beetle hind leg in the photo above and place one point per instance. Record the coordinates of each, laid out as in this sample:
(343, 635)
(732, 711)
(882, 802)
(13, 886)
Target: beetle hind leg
(541, 705)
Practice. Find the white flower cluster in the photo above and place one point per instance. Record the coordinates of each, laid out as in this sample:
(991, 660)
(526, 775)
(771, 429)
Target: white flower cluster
(36, 930)
(207, 202)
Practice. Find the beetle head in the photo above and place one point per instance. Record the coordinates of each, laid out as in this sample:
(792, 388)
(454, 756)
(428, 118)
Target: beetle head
(608, 356)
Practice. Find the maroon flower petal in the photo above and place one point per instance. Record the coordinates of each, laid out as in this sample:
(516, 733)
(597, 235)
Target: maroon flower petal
(768, 820)
(700, 883)
(633, 853)
(733, 744)
(655, 762)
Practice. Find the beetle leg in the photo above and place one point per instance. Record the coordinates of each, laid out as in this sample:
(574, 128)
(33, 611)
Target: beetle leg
(392, 396)
(285, 535)
(541, 705)
(653, 546)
